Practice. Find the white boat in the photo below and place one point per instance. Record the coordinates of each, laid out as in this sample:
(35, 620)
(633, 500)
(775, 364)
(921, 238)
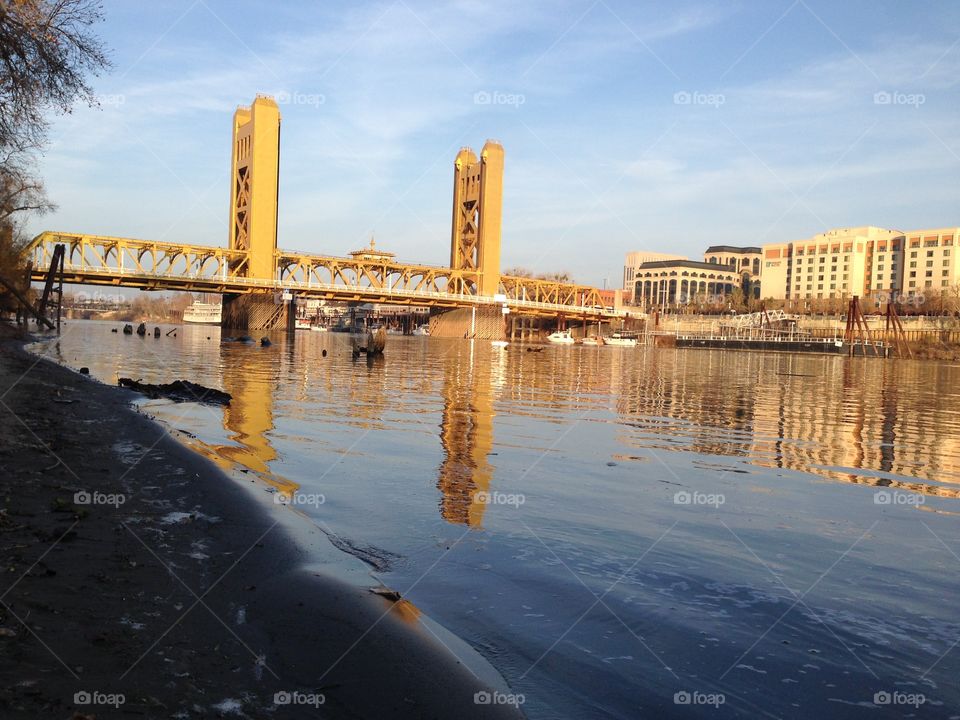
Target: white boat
(499, 343)
(302, 324)
(621, 339)
(318, 328)
(561, 337)
(594, 340)
(422, 330)
(201, 313)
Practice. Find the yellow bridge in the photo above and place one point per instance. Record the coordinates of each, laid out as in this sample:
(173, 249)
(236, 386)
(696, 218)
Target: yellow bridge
(253, 268)
(148, 265)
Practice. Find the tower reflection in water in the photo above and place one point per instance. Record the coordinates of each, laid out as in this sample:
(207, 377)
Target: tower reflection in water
(466, 434)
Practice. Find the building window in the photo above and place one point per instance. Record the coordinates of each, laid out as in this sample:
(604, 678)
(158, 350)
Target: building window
(929, 263)
(929, 253)
(913, 254)
(913, 264)
(879, 267)
(929, 273)
(913, 273)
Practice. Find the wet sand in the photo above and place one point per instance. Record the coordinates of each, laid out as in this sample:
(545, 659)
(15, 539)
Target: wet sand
(188, 598)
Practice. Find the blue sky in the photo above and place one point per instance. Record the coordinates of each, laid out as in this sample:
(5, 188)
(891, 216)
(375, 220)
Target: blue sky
(627, 125)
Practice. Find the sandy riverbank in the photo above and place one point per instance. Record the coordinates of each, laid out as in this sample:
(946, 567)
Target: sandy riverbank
(188, 598)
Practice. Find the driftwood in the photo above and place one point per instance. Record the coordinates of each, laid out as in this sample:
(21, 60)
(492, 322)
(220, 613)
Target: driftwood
(178, 391)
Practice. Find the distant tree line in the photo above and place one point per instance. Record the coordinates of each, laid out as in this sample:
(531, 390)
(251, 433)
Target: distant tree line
(562, 276)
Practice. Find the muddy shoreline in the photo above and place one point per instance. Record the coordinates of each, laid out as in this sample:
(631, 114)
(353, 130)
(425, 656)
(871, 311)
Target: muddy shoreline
(135, 569)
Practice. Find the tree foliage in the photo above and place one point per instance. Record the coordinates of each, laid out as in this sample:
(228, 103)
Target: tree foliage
(48, 52)
(562, 276)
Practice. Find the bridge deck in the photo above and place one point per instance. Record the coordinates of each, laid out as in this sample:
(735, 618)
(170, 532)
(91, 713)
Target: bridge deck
(149, 265)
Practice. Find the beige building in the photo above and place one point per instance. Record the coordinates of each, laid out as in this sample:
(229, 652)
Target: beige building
(671, 283)
(634, 260)
(867, 261)
(930, 265)
(745, 260)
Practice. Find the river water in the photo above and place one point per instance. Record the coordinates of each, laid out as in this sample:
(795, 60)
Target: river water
(623, 533)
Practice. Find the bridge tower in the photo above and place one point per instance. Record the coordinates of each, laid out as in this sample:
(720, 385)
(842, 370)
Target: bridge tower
(255, 181)
(477, 213)
(254, 186)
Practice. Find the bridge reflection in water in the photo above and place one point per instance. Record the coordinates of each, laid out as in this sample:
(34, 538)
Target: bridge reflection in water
(466, 421)
(850, 420)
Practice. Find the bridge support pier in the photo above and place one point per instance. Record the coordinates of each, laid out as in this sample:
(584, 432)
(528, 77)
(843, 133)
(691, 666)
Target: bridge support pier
(257, 311)
(487, 325)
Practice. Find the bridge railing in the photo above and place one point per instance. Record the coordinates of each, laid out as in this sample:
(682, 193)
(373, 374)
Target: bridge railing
(113, 260)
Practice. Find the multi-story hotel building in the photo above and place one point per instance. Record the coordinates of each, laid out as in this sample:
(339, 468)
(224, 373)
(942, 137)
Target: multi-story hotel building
(669, 283)
(634, 260)
(866, 261)
(745, 260)
(673, 280)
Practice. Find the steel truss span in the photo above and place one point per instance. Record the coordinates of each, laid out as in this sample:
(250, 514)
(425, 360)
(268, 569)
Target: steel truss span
(155, 265)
